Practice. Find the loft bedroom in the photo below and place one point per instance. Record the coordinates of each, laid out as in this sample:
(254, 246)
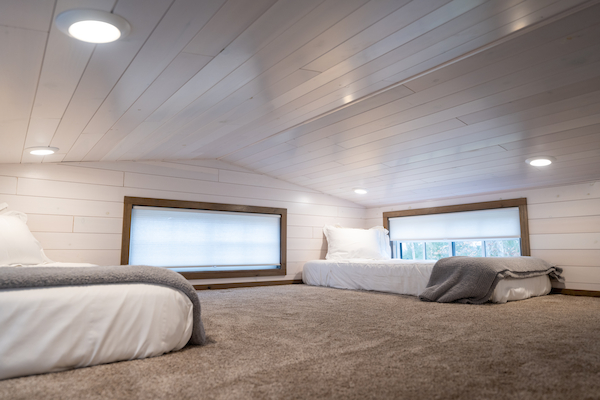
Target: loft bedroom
(323, 113)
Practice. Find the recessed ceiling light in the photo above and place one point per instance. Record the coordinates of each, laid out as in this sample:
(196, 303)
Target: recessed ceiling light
(92, 26)
(360, 191)
(540, 161)
(42, 150)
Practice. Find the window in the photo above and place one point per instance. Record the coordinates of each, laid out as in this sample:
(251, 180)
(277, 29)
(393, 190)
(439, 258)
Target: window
(204, 240)
(437, 250)
(502, 248)
(490, 229)
(469, 248)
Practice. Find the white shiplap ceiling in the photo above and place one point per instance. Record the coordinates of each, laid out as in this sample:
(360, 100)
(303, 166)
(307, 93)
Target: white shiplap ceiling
(411, 100)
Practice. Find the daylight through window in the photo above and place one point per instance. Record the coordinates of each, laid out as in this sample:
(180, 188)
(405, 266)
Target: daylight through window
(208, 239)
(492, 229)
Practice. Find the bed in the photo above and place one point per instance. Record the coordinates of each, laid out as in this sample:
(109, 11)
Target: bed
(59, 316)
(361, 259)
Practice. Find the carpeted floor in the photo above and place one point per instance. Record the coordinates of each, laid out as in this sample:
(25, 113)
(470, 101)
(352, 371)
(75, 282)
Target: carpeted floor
(298, 341)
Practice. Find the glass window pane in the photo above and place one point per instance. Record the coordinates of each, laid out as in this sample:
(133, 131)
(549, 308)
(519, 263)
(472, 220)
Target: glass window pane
(503, 248)
(467, 225)
(170, 237)
(469, 248)
(413, 250)
(396, 249)
(437, 250)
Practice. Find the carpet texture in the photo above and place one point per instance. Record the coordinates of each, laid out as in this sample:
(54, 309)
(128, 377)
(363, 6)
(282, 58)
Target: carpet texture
(304, 342)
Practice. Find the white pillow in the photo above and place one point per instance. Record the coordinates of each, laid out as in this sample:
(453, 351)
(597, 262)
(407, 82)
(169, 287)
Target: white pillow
(17, 244)
(349, 243)
(384, 241)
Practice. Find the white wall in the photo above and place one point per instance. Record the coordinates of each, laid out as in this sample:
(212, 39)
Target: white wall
(564, 227)
(76, 210)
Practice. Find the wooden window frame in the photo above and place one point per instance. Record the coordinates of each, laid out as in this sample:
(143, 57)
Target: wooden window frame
(487, 205)
(130, 202)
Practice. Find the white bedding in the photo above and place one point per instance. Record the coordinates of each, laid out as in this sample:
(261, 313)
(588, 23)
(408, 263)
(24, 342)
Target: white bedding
(405, 277)
(58, 328)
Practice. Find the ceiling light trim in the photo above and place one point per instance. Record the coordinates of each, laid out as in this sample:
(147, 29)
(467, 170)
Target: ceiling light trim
(540, 161)
(66, 20)
(42, 150)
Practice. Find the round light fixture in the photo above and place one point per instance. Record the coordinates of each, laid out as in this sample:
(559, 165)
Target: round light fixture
(92, 26)
(42, 150)
(540, 161)
(360, 191)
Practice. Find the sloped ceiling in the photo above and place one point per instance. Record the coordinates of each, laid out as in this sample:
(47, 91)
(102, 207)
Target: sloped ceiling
(410, 100)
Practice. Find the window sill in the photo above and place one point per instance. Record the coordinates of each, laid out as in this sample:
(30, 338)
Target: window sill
(233, 274)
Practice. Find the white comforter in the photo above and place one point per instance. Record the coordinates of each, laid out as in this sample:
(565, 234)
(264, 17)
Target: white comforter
(59, 328)
(405, 277)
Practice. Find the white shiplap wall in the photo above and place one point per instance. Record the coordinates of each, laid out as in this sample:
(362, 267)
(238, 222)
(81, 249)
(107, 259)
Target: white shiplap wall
(564, 227)
(76, 210)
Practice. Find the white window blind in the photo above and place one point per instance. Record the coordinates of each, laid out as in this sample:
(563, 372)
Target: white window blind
(496, 223)
(170, 237)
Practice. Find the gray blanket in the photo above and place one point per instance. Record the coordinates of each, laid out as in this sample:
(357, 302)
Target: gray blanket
(473, 279)
(35, 277)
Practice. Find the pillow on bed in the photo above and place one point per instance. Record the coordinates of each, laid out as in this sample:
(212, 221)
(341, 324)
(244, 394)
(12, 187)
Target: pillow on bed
(17, 244)
(348, 243)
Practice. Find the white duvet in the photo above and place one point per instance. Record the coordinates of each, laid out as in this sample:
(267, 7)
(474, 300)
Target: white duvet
(58, 328)
(405, 277)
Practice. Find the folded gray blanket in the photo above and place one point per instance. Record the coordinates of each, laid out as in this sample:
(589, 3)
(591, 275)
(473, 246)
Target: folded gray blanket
(35, 277)
(473, 279)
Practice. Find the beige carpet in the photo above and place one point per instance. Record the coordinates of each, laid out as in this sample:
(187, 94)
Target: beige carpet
(306, 342)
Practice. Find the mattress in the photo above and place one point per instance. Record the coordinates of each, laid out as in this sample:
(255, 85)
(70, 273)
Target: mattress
(58, 328)
(405, 277)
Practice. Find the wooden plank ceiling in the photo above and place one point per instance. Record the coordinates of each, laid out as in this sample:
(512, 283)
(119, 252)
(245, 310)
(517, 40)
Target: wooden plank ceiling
(411, 100)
